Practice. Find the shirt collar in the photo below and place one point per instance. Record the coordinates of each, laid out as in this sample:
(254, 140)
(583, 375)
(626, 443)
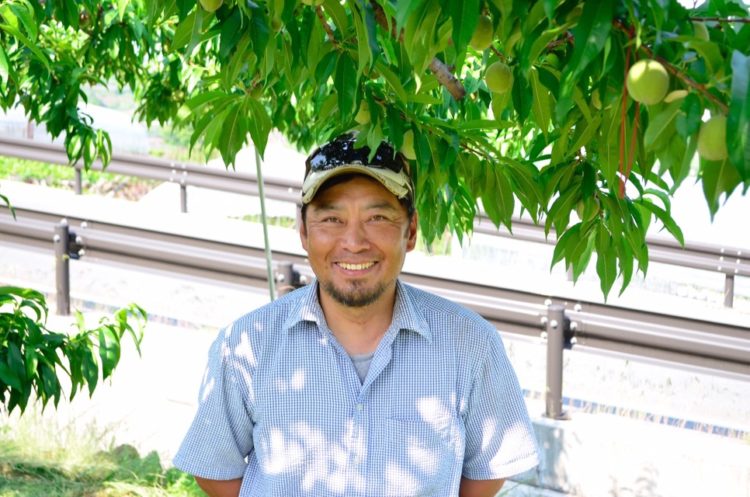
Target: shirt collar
(405, 314)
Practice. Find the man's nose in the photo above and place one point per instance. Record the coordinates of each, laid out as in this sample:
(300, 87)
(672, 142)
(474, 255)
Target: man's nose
(355, 237)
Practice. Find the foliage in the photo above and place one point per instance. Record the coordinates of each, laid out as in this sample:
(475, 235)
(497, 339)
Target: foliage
(57, 176)
(566, 144)
(32, 357)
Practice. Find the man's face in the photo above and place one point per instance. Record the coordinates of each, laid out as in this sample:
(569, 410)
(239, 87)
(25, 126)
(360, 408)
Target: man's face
(356, 236)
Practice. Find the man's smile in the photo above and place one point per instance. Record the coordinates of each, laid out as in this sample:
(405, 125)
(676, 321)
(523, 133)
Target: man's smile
(355, 267)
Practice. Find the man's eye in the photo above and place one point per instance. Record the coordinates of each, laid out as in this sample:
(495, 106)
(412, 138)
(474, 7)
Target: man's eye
(331, 219)
(378, 217)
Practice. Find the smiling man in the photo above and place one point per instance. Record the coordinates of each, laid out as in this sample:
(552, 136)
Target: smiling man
(358, 384)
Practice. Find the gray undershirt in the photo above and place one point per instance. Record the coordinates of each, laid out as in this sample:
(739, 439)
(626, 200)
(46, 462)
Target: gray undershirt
(362, 364)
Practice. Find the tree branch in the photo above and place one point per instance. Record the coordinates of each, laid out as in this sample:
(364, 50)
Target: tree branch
(721, 19)
(329, 31)
(437, 66)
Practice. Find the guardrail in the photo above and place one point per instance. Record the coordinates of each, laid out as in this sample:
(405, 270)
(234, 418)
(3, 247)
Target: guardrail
(703, 344)
(729, 261)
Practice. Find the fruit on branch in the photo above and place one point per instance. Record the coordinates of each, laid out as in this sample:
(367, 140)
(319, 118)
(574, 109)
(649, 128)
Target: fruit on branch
(363, 114)
(499, 77)
(700, 31)
(675, 95)
(313, 3)
(712, 139)
(211, 5)
(407, 148)
(647, 82)
(482, 37)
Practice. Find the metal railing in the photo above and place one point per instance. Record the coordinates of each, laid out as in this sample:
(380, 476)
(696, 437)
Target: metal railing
(729, 261)
(703, 344)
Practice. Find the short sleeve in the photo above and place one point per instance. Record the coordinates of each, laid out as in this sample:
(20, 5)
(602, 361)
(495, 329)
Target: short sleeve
(220, 436)
(500, 439)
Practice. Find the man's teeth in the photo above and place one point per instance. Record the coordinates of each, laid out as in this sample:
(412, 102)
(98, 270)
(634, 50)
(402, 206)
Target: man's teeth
(356, 267)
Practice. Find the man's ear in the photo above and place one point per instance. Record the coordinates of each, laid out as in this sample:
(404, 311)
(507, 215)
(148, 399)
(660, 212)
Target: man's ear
(411, 233)
(303, 234)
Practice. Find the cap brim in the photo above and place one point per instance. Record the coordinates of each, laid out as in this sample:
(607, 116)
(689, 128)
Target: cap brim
(397, 183)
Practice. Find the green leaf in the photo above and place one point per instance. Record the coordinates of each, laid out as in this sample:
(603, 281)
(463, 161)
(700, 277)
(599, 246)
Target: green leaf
(259, 125)
(497, 197)
(738, 121)
(571, 237)
(625, 256)
(606, 260)
(184, 31)
(541, 106)
(5, 67)
(661, 125)
(717, 178)
(122, 6)
(346, 85)
(664, 216)
(338, 14)
(681, 169)
(31, 45)
(365, 55)
(590, 35)
(559, 213)
(25, 14)
(89, 368)
(392, 80)
(233, 131)
(465, 15)
(109, 350)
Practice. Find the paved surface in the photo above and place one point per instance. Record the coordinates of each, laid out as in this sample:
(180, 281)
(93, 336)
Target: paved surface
(151, 399)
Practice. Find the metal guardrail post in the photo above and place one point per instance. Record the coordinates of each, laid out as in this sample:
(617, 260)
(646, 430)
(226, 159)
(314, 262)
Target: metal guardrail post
(729, 290)
(78, 185)
(556, 338)
(287, 278)
(62, 267)
(183, 197)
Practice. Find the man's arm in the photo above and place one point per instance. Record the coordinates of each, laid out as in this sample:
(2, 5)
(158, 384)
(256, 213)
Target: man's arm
(479, 488)
(220, 488)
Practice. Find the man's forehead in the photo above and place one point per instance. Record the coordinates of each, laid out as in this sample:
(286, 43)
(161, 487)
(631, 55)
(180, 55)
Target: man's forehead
(336, 188)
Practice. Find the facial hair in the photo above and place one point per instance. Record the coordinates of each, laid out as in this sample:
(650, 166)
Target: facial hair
(354, 297)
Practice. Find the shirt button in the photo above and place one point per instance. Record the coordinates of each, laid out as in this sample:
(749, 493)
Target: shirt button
(360, 407)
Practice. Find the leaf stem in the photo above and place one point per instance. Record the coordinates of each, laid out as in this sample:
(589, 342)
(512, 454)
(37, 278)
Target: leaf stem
(326, 26)
(721, 19)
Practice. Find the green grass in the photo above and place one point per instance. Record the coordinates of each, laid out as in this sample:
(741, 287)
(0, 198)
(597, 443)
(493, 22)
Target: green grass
(63, 176)
(41, 459)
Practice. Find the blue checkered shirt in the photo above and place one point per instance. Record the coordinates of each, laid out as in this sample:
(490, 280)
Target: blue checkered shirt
(281, 405)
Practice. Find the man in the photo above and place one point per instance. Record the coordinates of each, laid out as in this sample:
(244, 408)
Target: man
(358, 384)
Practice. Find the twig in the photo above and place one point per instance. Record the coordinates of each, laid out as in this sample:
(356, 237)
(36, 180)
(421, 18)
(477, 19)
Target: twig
(329, 31)
(721, 19)
(568, 38)
(678, 73)
(437, 66)
(623, 120)
(499, 54)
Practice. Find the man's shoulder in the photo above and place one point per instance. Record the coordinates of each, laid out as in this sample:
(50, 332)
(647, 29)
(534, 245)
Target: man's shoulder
(436, 309)
(271, 317)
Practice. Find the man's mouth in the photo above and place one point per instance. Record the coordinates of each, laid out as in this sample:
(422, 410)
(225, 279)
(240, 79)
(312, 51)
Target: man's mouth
(355, 267)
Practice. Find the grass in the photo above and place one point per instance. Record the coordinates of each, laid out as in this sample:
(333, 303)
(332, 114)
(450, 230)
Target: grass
(62, 176)
(38, 458)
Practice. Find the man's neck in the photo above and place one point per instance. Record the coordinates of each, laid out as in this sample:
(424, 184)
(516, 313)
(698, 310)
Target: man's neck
(359, 329)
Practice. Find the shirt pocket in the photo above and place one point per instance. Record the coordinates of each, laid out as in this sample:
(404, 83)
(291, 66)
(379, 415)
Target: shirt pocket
(419, 457)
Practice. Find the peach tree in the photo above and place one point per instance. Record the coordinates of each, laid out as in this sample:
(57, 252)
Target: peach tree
(502, 105)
